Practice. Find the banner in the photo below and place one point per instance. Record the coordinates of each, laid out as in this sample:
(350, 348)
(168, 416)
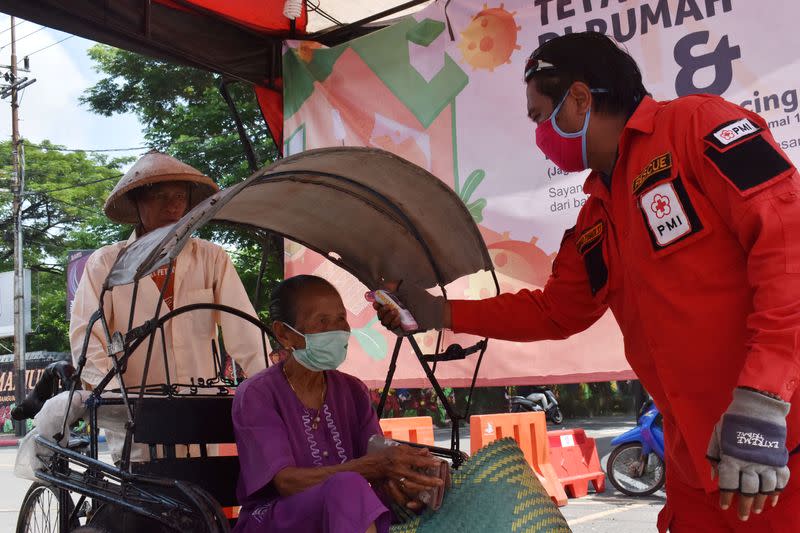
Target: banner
(35, 363)
(76, 262)
(444, 89)
(7, 302)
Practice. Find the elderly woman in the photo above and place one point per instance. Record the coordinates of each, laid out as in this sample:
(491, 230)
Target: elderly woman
(302, 429)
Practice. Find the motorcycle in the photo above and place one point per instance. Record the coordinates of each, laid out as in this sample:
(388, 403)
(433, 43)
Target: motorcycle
(636, 466)
(541, 399)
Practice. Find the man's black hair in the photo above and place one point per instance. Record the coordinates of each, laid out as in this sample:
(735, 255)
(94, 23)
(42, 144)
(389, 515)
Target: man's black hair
(597, 61)
(283, 306)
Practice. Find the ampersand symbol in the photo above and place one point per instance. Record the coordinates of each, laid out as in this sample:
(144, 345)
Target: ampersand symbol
(721, 58)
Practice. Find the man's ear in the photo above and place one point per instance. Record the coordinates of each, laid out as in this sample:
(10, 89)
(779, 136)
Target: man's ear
(582, 95)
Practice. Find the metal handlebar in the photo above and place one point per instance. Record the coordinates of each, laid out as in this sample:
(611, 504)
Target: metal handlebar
(455, 352)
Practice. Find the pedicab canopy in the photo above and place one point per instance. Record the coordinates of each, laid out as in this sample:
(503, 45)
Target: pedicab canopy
(368, 211)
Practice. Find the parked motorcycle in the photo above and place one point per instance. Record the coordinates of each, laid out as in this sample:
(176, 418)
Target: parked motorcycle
(541, 399)
(636, 466)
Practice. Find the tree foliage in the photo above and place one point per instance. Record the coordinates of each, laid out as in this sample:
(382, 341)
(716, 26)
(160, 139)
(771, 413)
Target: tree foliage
(62, 211)
(183, 114)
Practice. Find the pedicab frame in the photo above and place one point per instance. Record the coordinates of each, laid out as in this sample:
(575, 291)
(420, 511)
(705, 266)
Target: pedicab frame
(239, 53)
(370, 196)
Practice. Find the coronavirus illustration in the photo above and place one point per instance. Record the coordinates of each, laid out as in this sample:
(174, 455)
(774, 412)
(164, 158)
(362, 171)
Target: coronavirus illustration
(490, 38)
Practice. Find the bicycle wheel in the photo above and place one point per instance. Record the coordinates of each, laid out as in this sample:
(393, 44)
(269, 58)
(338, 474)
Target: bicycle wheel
(633, 474)
(40, 510)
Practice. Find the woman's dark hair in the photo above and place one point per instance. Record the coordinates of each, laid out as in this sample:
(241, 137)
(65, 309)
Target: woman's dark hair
(597, 61)
(283, 306)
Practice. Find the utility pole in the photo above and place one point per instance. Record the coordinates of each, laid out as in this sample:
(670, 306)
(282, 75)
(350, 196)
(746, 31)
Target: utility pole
(15, 84)
(17, 188)
(12, 88)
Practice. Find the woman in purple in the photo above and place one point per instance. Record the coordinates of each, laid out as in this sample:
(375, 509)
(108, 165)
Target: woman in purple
(302, 429)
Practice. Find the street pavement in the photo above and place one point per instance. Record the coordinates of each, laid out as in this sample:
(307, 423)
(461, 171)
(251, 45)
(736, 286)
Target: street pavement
(609, 512)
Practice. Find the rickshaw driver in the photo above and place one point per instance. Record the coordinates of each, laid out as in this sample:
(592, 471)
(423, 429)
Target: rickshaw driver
(689, 236)
(158, 190)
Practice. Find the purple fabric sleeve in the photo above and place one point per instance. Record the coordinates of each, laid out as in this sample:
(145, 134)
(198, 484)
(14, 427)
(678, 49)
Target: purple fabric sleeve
(367, 417)
(261, 439)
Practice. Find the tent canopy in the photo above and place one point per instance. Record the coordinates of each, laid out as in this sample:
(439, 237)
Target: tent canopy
(239, 39)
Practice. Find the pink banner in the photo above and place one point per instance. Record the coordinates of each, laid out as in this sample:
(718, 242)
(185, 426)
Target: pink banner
(455, 107)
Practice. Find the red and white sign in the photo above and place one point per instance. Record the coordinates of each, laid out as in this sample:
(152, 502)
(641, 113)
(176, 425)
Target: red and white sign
(734, 131)
(665, 214)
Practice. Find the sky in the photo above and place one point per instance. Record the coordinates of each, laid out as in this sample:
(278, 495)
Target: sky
(50, 109)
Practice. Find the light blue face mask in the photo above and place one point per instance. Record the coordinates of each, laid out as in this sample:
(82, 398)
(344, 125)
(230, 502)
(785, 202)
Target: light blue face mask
(323, 351)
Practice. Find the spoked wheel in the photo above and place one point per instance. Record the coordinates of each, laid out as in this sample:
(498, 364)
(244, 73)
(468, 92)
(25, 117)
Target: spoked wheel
(632, 473)
(40, 510)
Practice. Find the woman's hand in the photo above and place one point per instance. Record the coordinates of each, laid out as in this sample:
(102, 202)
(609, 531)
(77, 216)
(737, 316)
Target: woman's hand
(392, 489)
(400, 466)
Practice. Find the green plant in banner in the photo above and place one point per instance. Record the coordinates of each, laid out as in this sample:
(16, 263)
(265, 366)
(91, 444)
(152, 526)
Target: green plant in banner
(465, 193)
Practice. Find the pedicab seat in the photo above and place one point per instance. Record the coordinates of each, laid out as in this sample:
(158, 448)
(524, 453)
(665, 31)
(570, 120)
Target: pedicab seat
(202, 421)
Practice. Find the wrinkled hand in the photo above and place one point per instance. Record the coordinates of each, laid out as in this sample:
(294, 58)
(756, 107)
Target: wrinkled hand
(428, 310)
(748, 451)
(399, 467)
(400, 497)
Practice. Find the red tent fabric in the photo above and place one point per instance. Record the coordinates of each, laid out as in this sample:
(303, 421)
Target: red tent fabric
(271, 102)
(263, 15)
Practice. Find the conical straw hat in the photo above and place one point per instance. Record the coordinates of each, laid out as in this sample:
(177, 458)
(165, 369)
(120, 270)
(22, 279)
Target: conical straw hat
(155, 167)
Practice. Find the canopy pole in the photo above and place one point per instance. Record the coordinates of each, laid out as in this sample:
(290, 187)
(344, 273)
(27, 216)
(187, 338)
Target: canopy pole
(249, 151)
(265, 251)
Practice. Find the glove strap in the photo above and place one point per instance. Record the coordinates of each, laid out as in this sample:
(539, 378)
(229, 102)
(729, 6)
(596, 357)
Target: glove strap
(753, 440)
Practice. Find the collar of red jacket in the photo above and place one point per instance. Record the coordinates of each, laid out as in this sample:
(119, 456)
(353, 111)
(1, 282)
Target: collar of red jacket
(642, 120)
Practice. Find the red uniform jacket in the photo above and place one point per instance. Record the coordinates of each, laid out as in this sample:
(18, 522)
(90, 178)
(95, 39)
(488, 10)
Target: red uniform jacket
(696, 250)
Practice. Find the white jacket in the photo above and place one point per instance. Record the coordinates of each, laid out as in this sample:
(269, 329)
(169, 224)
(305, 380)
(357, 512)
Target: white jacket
(203, 274)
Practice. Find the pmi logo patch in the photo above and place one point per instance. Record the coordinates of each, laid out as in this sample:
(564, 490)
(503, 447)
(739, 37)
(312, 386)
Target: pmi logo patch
(741, 128)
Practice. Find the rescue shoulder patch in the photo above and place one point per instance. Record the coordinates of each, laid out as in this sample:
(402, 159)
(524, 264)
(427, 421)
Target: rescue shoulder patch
(596, 269)
(589, 237)
(750, 163)
(730, 132)
(668, 213)
(658, 168)
(593, 259)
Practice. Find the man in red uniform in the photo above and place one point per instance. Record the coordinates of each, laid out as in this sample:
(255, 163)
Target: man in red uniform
(691, 236)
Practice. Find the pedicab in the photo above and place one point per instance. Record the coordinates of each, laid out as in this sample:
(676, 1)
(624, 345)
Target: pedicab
(384, 219)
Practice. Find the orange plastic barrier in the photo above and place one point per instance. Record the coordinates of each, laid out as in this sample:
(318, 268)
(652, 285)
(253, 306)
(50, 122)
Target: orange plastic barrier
(231, 512)
(529, 430)
(574, 458)
(417, 429)
(227, 450)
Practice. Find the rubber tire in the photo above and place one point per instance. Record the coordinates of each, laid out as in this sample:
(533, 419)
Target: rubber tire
(29, 504)
(610, 471)
(516, 408)
(557, 416)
